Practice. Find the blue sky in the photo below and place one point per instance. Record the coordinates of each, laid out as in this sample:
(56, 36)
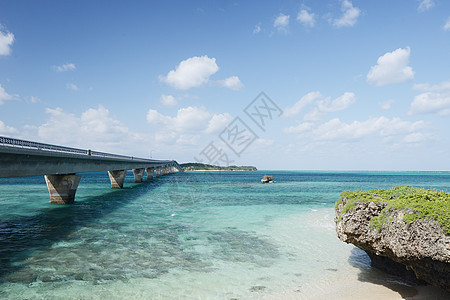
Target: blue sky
(362, 85)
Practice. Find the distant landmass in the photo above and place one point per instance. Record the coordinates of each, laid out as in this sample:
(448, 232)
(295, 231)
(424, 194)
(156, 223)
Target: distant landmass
(206, 167)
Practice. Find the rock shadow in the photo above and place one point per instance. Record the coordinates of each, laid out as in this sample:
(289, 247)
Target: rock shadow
(407, 289)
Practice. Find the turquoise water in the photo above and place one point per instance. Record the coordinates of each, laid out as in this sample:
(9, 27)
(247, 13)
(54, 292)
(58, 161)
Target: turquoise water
(192, 235)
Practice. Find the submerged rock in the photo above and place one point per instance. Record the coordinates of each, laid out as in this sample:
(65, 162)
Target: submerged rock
(403, 230)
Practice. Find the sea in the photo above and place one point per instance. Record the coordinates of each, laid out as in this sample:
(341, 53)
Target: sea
(189, 235)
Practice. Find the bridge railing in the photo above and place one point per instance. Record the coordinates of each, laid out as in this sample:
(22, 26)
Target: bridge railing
(48, 147)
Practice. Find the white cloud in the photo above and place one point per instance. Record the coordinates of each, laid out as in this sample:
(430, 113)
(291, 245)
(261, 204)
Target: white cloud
(306, 18)
(426, 87)
(417, 137)
(446, 26)
(391, 68)
(377, 126)
(338, 104)
(189, 122)
(302, 103)
(281, 23)
(6, 40)
(257, 29)
(349, 16)
(386, 105)
(321, 107)
(4, 95)
(72, 86)
(192, 72)
(218, 122)
(327, 105)
(425, 5)
(188, 119)
(438, 103)
(94, 129)
(435, 99)
(168, 100)
(6, 129)
(302, 127)
(232, 83)
(65, 67)
(34, 99)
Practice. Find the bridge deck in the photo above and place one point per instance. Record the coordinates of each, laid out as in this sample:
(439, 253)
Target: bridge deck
(19, 158)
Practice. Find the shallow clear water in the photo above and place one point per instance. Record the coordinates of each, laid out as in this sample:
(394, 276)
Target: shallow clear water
(194, 235)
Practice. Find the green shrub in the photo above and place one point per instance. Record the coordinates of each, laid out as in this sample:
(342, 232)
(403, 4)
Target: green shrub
(414, 202)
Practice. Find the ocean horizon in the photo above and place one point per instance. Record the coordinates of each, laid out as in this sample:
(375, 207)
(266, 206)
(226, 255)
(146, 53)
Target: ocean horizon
(190, 235)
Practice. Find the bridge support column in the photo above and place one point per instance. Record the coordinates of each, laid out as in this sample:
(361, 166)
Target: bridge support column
(150, 173)
(138, 174)
(158, 172)
(117, 178)
(62, 188)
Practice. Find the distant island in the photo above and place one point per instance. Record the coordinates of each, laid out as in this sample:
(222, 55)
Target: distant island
(206, 167)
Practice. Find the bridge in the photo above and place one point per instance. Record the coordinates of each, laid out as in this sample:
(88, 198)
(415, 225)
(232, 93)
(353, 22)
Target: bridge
(60, 165)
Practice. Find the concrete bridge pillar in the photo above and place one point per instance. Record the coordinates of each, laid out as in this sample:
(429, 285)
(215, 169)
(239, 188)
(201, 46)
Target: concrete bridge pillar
(158, 172)
(150, 173)
(138, 174)
(62, 188)
(117, 178)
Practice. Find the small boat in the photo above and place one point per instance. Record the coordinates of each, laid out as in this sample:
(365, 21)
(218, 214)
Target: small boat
(267, 179)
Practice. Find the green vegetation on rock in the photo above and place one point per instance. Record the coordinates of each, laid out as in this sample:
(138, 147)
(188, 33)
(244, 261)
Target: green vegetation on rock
(206, 167)
(414, 202)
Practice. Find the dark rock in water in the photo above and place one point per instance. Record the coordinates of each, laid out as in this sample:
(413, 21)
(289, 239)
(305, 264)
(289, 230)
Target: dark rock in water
(417, 251)
(266, 179)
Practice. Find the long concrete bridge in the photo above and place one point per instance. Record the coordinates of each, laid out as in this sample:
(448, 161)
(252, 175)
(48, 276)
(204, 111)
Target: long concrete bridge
(60, 165)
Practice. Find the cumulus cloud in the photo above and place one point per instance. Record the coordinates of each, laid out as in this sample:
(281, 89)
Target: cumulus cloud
(434, 99)
(72, 86)
(168, 100)
(95, 128)
(281, 23)
(232, 83)
(388, 130)
(349, 16)
(306, 18)
(64, 68)
(335, 129)
(6, 40)
(189, 122)
(6, 129)
(189, 119)
(4, 96)
(438, 103)
(391, 68)
(425, 5)
(218, 122)
(446, 26)
(327, 105)
(192, 72)
(297, 108)
(426, 87)
(321, 105)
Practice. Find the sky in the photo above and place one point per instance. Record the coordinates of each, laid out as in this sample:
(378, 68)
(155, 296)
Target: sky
(281, 85)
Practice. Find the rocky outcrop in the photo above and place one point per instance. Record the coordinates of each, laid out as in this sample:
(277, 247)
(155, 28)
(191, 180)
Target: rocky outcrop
(266, 179)
(417, 251)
